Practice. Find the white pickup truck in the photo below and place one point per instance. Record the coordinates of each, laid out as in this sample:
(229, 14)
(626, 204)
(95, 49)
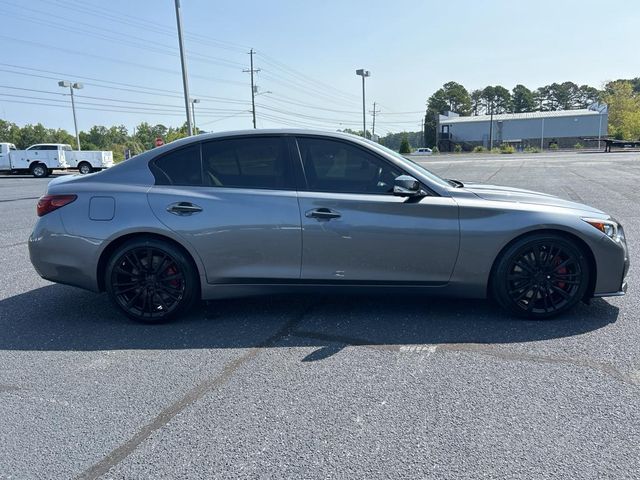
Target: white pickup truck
(36, 161)
(41, 159)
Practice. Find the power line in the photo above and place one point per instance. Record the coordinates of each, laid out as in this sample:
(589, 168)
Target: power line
(116, 60)
(307, 78)
(179, 114)
(138, 23)
(135, 88)
(159, 48)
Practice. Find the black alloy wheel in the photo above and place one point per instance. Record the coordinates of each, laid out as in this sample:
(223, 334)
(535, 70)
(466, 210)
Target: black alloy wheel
(541, 277)
(151, 281)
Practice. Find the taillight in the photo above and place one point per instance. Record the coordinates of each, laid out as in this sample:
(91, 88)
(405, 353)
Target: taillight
(49, 203)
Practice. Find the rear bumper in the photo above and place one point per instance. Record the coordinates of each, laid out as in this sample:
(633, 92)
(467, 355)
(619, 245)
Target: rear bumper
(63, 258)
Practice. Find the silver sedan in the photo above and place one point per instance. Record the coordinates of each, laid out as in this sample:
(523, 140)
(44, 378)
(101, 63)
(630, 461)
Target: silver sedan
(255, 212)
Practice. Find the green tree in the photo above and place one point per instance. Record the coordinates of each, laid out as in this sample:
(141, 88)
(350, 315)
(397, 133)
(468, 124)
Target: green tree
(405, 147)
(496, 99)
(9, 132)
(624, 109)
(452, 97)
(477, 107)
(30, 134)
(523, 99)
(587, 96)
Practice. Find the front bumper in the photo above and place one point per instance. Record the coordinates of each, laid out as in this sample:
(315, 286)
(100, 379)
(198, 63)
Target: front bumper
(619, 293)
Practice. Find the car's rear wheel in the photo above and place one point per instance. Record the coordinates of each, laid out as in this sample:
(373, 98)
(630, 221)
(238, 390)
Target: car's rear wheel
(541, 276)
(38, 170)
(85, 168)
(151, 280)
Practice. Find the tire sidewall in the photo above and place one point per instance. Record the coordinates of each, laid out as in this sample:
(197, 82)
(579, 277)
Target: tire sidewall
(499, 277)
(38, 167)
(84, 165)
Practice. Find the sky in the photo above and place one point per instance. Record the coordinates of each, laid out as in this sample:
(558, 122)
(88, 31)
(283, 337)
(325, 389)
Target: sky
(125, 52)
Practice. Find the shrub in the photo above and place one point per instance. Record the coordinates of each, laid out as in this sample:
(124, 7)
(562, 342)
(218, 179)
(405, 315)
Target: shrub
(457, 148)
(578, 146)
(553, 146)
(532, 150)
(404, 145)
(479, 149)
(435, 150)
(505, 148)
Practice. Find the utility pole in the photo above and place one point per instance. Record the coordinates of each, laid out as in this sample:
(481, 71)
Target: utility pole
(491, 130)
(72, 86)
(373, 128)
(185, 82)
(254, 89)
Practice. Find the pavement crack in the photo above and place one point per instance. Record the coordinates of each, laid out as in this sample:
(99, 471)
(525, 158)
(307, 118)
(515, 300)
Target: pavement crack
(18, 199)
(604, 367)
(479, 348)
(118, 454)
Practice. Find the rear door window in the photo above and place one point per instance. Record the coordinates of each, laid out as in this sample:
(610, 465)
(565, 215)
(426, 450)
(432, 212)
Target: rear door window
(250, 162)
(178, 167)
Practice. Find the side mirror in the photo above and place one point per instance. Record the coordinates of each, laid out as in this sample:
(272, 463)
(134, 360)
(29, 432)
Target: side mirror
(407, 186)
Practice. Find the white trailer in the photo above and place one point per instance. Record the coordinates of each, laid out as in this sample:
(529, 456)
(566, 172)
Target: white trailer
(86, 161)
(39, 162)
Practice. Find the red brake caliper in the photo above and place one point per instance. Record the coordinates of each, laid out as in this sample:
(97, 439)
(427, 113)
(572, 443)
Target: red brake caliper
(561, 271)
(172, 271)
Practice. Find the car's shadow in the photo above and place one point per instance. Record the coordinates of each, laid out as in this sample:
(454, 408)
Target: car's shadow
(60, 318)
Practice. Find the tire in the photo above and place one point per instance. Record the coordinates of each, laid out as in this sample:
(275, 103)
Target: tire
(85, 168)
(38, 170)
(540, 276)
(151, 280)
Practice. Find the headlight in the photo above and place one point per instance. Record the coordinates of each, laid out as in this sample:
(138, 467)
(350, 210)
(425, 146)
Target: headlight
(610, 228)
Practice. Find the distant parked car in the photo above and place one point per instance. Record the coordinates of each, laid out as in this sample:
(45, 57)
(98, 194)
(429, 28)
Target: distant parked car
(422, 151)
(231, 214)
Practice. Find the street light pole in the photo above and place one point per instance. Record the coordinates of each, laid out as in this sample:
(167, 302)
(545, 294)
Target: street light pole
(363, 73)
(72, 86)
(193, 112)
(185, 82)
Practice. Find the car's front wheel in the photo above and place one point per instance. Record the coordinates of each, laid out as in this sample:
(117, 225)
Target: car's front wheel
(541, 276)
(151, 280)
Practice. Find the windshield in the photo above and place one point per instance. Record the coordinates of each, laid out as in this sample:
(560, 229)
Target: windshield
(430, 175)
(66, 147)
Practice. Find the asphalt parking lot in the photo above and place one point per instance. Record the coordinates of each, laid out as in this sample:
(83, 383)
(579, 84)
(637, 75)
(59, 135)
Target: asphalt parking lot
(325, 387)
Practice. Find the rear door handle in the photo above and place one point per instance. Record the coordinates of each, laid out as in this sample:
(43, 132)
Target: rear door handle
(322, 214)
(183, 208)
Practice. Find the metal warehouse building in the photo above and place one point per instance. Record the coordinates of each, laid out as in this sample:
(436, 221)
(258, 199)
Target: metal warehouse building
(564, 128)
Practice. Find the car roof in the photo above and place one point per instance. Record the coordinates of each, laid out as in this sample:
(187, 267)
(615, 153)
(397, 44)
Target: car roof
(48, 145)
(269, 131)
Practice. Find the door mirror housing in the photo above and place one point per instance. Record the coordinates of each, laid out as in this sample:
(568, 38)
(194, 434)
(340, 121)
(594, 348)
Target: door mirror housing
(407, 186)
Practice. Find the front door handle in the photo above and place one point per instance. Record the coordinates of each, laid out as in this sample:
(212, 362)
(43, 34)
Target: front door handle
(323, 214)
(183, 208)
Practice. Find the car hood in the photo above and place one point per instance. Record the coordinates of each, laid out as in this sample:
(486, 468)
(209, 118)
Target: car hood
(519, 195)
